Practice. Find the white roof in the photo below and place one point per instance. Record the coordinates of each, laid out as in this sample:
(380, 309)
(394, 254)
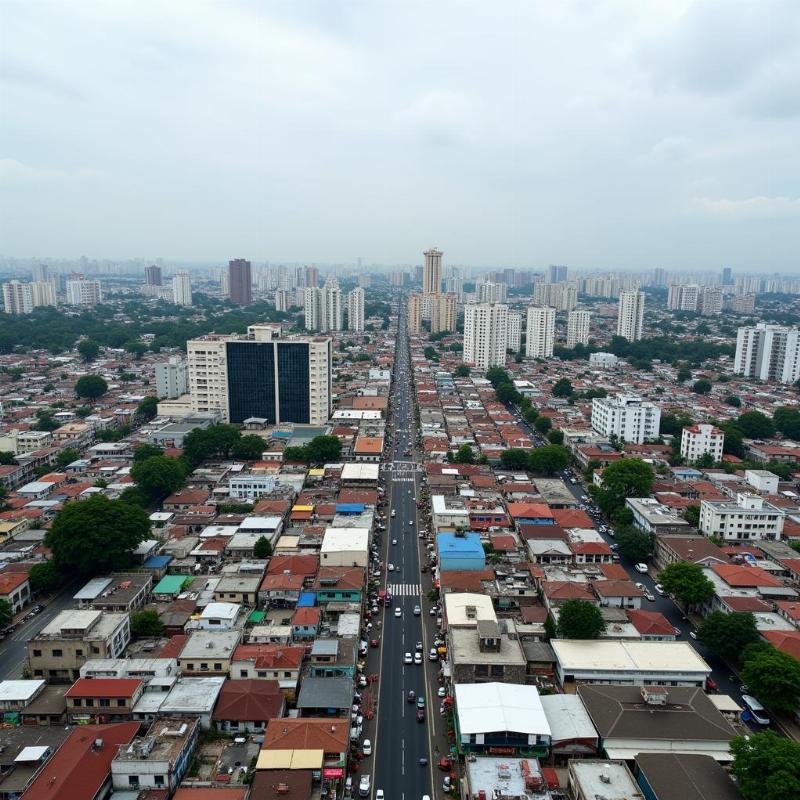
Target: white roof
(568, 717)
(494, 707)
(32, 753)
(344, 539)
(19, 690)
(456, 603)
(360, 472)
(260, 523)
(221, 610)
(596, 654)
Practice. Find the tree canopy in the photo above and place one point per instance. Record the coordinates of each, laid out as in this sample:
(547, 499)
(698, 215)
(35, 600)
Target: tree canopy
(755, 425)
(562, 388)
(91, 386)
(88, 349)
(728, 635)
(514, 458)
(216, 441)
(548, 460)
(686, 581)
(67, 456)
(158, 476)
(148, 408)
(249, 448)
(6, 613)
(461, 371)
(146, 623)
(787, 421)
(542, 424)
(319, 450)
(262, 548)
(634, 544)
(628, 477)
(703, 386)
(774, 678)
(98, 535)
(579, 619)
(144, 451)
(44, 577)
(766, 766)
(464, 455)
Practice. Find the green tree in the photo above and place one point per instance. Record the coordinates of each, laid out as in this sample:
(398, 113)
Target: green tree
(733, 400)
(774, 678)
(703, 386)
(686, 582)
(262, 548)
(579, 619)
(548, 460)
(684, 374)
(6, 613)
(766, 766)
(90, 537)
(542, 424)
(634, 544)
(44, 577)
(562, 388)
(461, 371)
(727, 635)
(293, 454)
(202, 444)
(136, 348)
(146, 623)
(249, 448)
(91, 387)
(692, 515)
(323, 449)
(67, 456)
(530, 415)
(787, 421)
(84, 411)
(46, 421)
(148, 408)
(673, 424)
(507, 393)
(514, 458)
(755, 425)
(734, 441)
(497, 375)
(88, 349)
(628, 477)
(144, 451)
(555, 436)
(7, 458)
(464, 455)
(158, 476)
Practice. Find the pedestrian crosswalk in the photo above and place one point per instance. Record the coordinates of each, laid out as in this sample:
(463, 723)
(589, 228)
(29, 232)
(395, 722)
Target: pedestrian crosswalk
(403, 589)
(403, 477)
(402, 466)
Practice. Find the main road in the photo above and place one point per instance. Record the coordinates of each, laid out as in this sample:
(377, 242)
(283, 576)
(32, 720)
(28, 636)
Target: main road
(400, 739)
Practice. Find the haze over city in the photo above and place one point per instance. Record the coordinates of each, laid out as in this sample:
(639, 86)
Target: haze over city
(615, 135)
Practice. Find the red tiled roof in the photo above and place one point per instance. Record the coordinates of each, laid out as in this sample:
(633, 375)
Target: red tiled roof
(103, 687)
(650, 623)
(78, 769)
(617, 589)
(269, 656)
(9, 581)
(741, 575)
(249, 700)
(786, 641)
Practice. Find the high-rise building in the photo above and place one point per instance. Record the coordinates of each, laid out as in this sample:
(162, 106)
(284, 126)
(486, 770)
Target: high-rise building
(558, 273)
(17, 298)
(702, 439)
(397, 278)
(323, 307)
(282, 301)
(81, 292)
(768, 353)
(443, 313)
(683, 297)
(740, 303)
(561, 296)
(152, 275)
(312, 276)
(262, 375)
(432, 272)
(627, 417)
(489, 292)
(415, 314)
(710, 301)
(659, 276)
(540, 332)
(43, 293)
(485, 334)
(514, 335)
(630, 315)
(727, 276)
(355, 309)
(240, 282)
(172, 378)
(41, 272)
(181, 289)
(578, 323)
(454, 284)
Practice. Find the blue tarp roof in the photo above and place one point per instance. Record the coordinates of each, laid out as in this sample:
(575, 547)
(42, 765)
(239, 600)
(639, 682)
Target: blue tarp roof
(349, 508)
(306, 600)
(157, 562)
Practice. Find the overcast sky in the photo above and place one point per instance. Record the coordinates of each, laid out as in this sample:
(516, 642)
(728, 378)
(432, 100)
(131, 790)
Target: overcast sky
(610, 134)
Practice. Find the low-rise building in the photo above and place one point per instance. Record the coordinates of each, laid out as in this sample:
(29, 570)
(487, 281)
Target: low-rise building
(485, 653)
(748, 517)
(192, 697)
(245, 706)
(590, 780)
(101, 700)
(653, 517)
(700, 440)
(208, 652)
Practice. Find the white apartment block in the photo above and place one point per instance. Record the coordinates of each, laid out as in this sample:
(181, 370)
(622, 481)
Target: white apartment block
(683, 297)
(283, 299)
(710, 301)
(627, 417)
(172, 378)
(17, 298)
(485, 334)
(768, 353)
(442, 312)
(81, 292)
(540, 332)
(578, 327)
(489, 292)
(355, 310)
(43, 293)
(514, 335)
(182, 289)
(323, 307)
(748, 517)
(698, 440)
(630, 315)
(561, 296)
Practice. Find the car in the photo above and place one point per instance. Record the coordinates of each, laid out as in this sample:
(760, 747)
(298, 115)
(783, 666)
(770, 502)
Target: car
(639, 586)
(421, 701)
(659, 588)
(433, 655)
(374, 642)
(420, 715)
(398, 612)
(418, 648)
(363, 647)
(394, 513)
(640, 567)
(678, 631)
(417, 658)
(447, 784)
(362, 681)
(408, 659)
(744, 689)
(442, 692)
(650, 596)
(432, 611)
(379, 794)
(417, 611)
(390, 567)
(411, 522)
(366, 747)
(693, 634)
(363, 786)
(394, 541)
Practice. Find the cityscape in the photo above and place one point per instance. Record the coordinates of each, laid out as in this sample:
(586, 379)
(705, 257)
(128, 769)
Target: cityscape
(506, 508)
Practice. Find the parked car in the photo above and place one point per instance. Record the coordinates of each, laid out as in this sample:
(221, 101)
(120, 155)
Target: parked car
(420, 715)
(408, 659)
(659, 588)
(640, 567)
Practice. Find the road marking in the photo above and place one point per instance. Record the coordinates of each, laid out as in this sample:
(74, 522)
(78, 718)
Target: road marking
(404, 589)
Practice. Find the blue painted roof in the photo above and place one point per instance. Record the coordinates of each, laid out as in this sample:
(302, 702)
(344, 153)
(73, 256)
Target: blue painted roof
(306, 600)
(349, 508)
(157, 562)
(450, 544)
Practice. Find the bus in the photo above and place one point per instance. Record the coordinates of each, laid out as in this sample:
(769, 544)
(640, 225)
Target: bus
(757, 711)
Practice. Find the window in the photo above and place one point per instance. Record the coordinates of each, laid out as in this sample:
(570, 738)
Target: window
(89, 702)
(76, 702)
(105, 702)
(242, 673)
(287, 674)
(121, 702)
(133, 780)
(217, 666)
(37, 653)
(57, 653)
(190, 667)
(158, 780)
(78, 652)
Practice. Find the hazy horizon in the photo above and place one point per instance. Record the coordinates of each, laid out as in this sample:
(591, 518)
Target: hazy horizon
(624, 135)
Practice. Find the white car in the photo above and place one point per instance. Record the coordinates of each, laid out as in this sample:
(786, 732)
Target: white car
(407, 659)
(398, 612)
(417, 611)
(641, 568)
(379, 794)
(433, 655)
(366, 747)
(442, 692)
(394, 541)
(411, 522)
(390, 567)
(363, 786)
(417, 658)
(659, 588)
(394, 513)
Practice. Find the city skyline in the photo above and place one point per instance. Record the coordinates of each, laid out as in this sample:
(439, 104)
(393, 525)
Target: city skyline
(654, 135)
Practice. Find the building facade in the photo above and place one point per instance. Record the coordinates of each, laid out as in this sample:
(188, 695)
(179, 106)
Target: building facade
(432, 272)
(768, 353)
(485, 334)
(81, 292)
(240, 281)
(355, 310)
(172, 378)
(17, 298)
(630, 315)
(747, 517)
(578, 323)
(182, 289)
(626, 417)
(514, 335)
(540, 332)
(698, 440)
